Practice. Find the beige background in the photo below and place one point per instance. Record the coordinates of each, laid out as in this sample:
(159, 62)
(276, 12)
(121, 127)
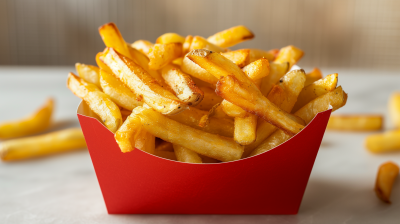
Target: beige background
(346, 34)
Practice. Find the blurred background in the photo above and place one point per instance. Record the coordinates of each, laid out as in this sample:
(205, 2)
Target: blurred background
(341, 33)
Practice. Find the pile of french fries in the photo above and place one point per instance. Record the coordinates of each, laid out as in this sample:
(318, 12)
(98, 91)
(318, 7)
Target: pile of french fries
(194, 100)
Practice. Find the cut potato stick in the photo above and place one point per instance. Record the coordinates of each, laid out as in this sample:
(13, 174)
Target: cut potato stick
(186, 45)
(130, 131)
(209, 100)
(183, 86)
(313, 76)
(41, 145)
(166, 155)
(196, 71)
(89, 73)
(387, 175)
(118, 92)
(232, 110)
(394, 108)
(289, 54)
(257, 69)
(231, 36)
(145, 141)
(245, 129)
(315, 90)
(162, 54)
(100, 103)
(186, 155)
(165, 146)
(143, 46)
(384, 142)
(142, 84)
(336, 99)
(201, 43)
(256, 54)
(167, 38)
(101, 64)
(355, 122)
(35, 123)
(277, 70)
(240, 57)
(113, 38)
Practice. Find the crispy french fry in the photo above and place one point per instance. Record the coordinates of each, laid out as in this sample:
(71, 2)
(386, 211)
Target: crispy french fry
(166, 155)
(142, 84)
(240, 57)
(355, 122)
(313, 76)
(183, 86)
(165, 146)
(145, 141)
(113, 38)
(245, 129)
(99, 102)
(167, 38)
(143, 46)
(384, 142)
(186, 44)
(35, 123)
(394, 108)
(41, 145)
(89, 73)
(387, 175)
(118, 92)
(201, 43)
(256, 54)
(315, 90)
(289, 54)
(130, 131)
(200, 83)
(336, 99)
(277, 70)
(196, 71)
(209, 100)
(186, 155)
(162, 54)
(257, 69)
(232, 110)
(231, 36)
(101, 64)
(211, 145)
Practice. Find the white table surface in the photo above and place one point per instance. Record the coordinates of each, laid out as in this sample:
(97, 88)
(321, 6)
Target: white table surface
(64, 189)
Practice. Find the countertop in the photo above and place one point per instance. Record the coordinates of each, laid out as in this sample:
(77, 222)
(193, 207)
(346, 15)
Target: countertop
(64, 189)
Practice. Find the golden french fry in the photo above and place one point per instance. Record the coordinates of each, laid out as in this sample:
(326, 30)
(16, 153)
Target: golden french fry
(209, 100)
(100, 103)
(211, 145)
(101, 64)
(231, 36)
(289, 54)
(162, 54)
(35, 123)
(385, 142)
(336, 99)
(232, 110)
(41, 145)
(167, 38)
(245, 129)
(196, 71)
(313, 76)
(355, 122)
(256, 54)
(186, 155)
(183, 86)
(142, 84)
(89, 73)
(277, 70)
(201, 43)
(118, 92)
(145, 141)
(257, 69)
(315, 90)
(165, 146)
(186, 44)
(143, 46)
(240, 57)
(394, 108)
(113, 38)
(387, 175)
(166, 155)
(200, 83)
(130, 131)
(205, 119)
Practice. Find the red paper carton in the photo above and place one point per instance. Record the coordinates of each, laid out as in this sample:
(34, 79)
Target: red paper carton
(140, 183)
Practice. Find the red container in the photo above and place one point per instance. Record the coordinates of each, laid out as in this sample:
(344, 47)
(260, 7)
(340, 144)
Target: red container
(140, 183)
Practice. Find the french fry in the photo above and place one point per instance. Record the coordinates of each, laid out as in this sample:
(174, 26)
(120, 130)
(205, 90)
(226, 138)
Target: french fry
(387, 175)
(145, 141)
(232, 110)
(142, 84)
(245, 129)
(231, 36)
(200, 83)
(165, 146)
(209, 100)
(336, 99)
(315, 90)
(216, 111)
(101, 64)
(186, 44)
(277, 71)
(256, 54)
(211, 145)
(183, 86)
(196, 71)
(201, 43)
(257, 69)
(384, 142)
(143, 46)
(99, 102)
(289, 54)
(118, 92)
(130, 131)
(178, 61)
(89, 73)
(167, 38)
(35, 123)
(394, 108)
(162, 54)
(41, 145)
(355, 122)
(186, 155)
(240, 57)
(113, 38)
(313, 76)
